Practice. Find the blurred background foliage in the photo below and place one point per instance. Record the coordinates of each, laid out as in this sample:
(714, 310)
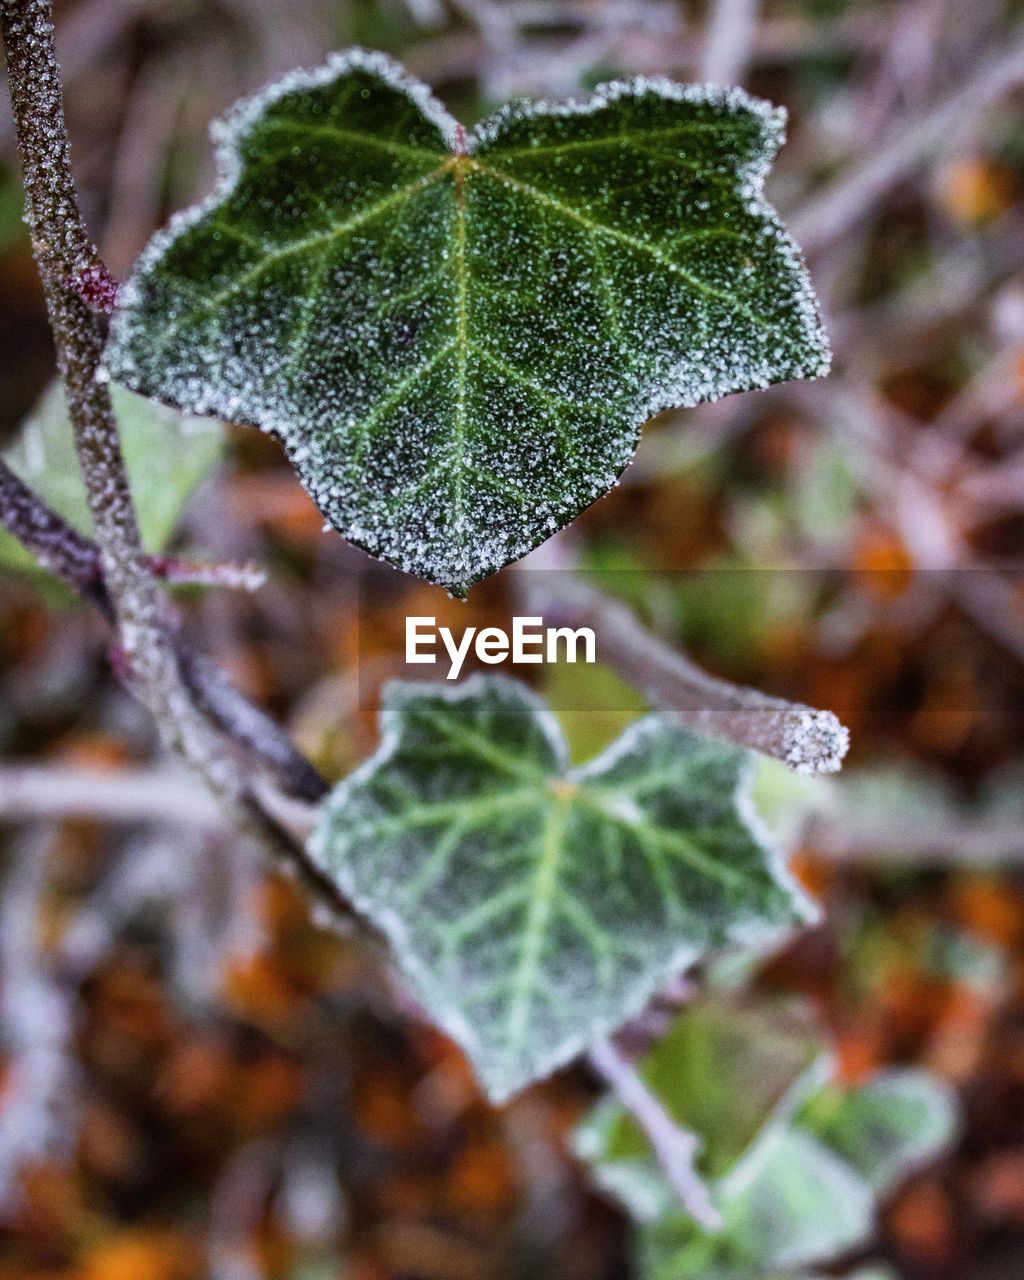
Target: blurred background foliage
(197, 1078)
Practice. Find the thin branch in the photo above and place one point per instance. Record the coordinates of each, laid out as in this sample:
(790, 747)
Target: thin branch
(76, 561)
(830, 212)
(124, 795)
(37, 1120)
(159, 795)
(676, 1148)
(729, 41)
(63, 250)
(69, 555)
(960, 842)
(56, 546)
(806, 739)
(149, 795)
(956, 283)
(250, 727)
(994, 603)
(237, 1204)
(198, 573)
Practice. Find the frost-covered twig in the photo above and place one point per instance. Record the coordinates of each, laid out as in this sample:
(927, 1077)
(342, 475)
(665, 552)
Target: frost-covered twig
(995, 603)
(76, 560)
(63, 250)
(676, 1148)
(830, 212)
(864, 841)
(69, 555)
(38, 1025)
(239, 1199)
(250, 727)
(127, 795)
(729, 41)
(806, 739)
(56, 546)
(125, 590)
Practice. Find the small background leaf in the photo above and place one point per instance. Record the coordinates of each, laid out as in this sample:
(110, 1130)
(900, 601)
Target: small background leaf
(802, 1205)
(725, 1071)
(886, 1127)
(796, 1168)
(167, 454)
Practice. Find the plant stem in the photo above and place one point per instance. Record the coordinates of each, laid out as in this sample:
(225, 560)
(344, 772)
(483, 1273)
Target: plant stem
(63, 251)
(76, 560)
(56, 546)
(674, 1146)
(124, 795)
(804, 738)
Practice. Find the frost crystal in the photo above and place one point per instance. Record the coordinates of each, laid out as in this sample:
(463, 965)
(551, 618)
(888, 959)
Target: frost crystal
(816, 742)
(457, 339)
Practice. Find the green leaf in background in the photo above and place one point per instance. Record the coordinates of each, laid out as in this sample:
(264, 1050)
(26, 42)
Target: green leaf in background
(167, 454)
(795, 1167)
(888, 1126)
(593, 704)
(803, 1200)
(533, 906)
(458, 337)
(728, 1072)
(801, 1205)
(724, 1071)
(12, 210)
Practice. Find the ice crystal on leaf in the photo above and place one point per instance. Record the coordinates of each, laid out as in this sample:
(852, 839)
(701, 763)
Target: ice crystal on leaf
(535, 907)
(458, 337)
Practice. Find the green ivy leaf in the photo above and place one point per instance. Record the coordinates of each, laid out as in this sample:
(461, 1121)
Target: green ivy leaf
(457, 338)
(533, 906)
(810, 1190)
(796, 1168)
(725, 1071)
(167, 454)
(886, 1127)
(801, 1205)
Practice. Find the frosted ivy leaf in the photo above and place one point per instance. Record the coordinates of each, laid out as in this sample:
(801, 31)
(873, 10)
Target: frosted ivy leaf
(167, 455)
(534, 907)
(457, 337)
(813, 1192)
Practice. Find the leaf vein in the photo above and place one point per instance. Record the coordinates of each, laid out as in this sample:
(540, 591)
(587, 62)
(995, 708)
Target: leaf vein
(626, 135)
(337, 232)
(615, 233)
(352, 135)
